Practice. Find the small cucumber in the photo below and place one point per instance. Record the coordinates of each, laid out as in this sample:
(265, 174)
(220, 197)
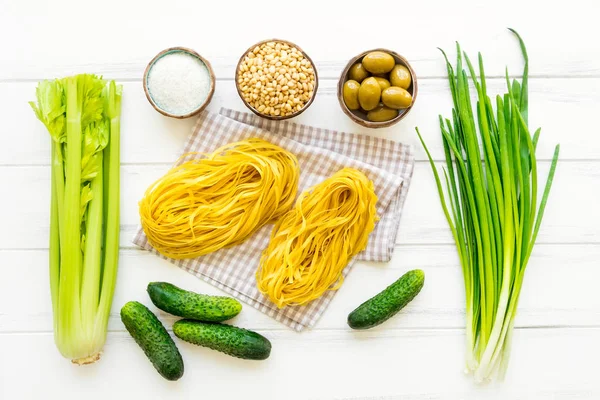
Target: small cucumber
(154, 339)
(192, 305)
(231, 340)
(387, 303)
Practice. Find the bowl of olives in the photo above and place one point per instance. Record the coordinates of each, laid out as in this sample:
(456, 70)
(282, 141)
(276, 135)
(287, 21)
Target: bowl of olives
(377, 88)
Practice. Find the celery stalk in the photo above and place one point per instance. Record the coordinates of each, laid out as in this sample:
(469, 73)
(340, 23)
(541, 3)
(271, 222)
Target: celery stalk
(54, 245)
(111, 257)
(50, 110)
(82, 114)
(92, 268)
(70, 250)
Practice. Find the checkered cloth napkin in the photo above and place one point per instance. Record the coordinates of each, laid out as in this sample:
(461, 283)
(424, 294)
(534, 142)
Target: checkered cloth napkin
(320, 152)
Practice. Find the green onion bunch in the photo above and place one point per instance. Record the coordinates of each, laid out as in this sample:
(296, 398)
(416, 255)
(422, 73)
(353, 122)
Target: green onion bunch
(491, 204)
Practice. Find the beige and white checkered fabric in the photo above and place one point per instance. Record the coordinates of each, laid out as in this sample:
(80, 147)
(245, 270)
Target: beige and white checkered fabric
(320, 152)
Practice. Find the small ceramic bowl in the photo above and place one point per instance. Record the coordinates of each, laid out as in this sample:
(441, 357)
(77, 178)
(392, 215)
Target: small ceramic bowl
(191, 52)
(359, 116)
(276, 117)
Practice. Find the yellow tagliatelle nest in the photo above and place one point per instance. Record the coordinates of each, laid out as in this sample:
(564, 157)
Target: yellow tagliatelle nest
(217, 201)
(312, 243)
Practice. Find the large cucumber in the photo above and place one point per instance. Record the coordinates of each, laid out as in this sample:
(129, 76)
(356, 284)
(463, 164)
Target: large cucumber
(154, 339)
(231, 340)
(386, 304)
(192, 305)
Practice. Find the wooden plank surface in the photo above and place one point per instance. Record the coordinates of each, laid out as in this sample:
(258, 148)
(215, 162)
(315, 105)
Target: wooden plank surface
(546, 300)
(323, 364)
(564, 108)
(423, 221)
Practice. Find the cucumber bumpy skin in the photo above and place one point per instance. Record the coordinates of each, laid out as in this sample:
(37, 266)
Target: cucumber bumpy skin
(231, 340)
(192, 305)
(150, 334)
(387, 303)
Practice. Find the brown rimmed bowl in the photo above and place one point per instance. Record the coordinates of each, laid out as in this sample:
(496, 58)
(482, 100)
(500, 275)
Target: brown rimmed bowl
(359, 116)
(276, 117)
(191, 52)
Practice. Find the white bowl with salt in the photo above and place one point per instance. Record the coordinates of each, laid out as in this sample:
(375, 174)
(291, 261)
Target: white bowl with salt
(179, 82)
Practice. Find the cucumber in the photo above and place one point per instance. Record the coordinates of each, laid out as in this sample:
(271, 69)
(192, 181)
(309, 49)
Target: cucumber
(387, 303)
(154, 339)
(231, 340)
(192, 305)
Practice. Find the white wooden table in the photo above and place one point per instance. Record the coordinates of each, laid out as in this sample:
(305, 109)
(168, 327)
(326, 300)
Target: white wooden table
(418, 354)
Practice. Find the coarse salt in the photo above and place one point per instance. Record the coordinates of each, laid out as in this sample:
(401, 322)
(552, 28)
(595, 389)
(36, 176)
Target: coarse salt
(179, 82)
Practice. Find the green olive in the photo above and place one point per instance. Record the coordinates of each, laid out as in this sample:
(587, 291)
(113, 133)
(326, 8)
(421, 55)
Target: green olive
(400, 76)
(378, 62)
(385, 76)
(369, 94)
(350, 92)
(358, 73)
(396, 97)
(381, 114)
(383, 83)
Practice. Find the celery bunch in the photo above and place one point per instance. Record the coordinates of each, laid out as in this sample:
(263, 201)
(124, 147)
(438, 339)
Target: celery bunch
(82, 114)
(491, 204)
